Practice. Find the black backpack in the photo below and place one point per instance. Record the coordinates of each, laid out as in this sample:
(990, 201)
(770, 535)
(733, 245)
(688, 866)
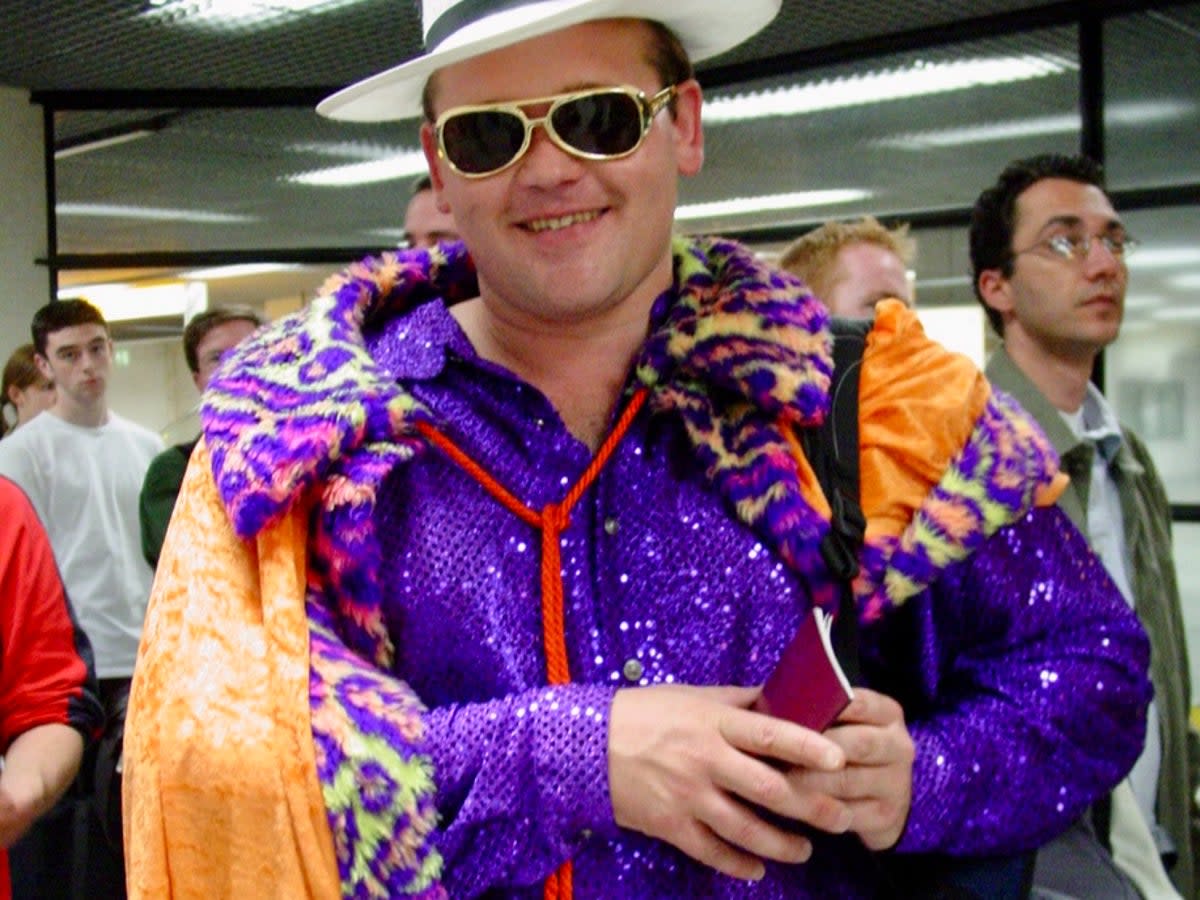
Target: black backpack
(832, 451)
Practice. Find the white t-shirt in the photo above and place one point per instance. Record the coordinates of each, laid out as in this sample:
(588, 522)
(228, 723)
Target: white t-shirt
(84, 484)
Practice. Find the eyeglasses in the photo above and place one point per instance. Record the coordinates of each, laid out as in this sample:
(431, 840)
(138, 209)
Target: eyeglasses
(1077, 247)
(600, 123)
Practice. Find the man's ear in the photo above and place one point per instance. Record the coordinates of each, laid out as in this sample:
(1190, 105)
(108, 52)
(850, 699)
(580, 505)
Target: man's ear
(689, 133)
(43, 365)
(996, 290)
(433, 159)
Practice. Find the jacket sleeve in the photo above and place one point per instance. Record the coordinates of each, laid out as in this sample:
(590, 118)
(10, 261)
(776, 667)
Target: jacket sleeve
(1022, 671)
(522, 783)
(1028, 699)
(156, 501)
(47, 674)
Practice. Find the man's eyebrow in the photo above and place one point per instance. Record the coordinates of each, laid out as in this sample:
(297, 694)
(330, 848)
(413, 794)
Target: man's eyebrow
(1066, 220)
(1072, 221)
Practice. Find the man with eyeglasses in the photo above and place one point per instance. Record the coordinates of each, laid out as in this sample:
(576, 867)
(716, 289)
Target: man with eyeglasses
(1049, 257)
(549, 482)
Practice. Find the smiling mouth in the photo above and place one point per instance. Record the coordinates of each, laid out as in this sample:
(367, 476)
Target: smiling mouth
(537, 226)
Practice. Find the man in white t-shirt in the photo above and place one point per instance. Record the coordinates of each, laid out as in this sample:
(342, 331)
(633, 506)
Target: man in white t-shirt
(82, 467)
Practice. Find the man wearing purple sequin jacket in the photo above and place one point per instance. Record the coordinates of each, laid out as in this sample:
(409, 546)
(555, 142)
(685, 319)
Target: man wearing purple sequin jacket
(548, 482)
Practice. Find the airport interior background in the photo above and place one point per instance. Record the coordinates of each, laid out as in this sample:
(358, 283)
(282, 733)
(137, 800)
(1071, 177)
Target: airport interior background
(182, 165)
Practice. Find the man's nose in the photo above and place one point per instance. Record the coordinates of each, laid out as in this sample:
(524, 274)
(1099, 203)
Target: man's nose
(1100, 258)
(545, 162)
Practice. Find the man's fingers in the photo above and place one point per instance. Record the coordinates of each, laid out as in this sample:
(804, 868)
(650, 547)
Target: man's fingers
(770, 738)
(747, 832)
(702, 845)
(871, 708)
(762, 785)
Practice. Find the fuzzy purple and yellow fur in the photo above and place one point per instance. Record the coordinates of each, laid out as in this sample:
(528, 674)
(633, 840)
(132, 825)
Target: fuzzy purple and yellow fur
(740, 352)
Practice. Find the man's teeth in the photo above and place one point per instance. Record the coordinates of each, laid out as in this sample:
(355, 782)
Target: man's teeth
(539, 225)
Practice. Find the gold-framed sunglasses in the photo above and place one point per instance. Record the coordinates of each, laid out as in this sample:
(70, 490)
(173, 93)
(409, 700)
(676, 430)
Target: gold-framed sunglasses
(598, 123)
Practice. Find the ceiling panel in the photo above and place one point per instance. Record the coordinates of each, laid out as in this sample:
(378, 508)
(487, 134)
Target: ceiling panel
(220, 179)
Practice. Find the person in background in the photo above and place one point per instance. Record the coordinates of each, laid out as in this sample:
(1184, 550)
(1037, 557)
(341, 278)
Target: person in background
(81, 465)
(1048, 254)
(49, 709)
(852, 266)
(554, 489)
(25, 389)
(425, 222)
(206, 338)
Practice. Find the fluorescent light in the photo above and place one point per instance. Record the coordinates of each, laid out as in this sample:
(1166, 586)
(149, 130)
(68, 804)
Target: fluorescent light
(150, 213)
(948, 282)
(402, 165)
(1125, 114)
(100, 143)
(738, 206)
(1188, 282)
(1143, 301)
(1164, 257)
(124, 302)
(1040, 126)
(237, 15)
(236, 271)
(1177, 314)
(918, 80)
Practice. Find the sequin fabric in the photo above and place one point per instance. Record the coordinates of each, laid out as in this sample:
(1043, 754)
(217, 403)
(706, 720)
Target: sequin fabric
(690, 560)
(664, 586)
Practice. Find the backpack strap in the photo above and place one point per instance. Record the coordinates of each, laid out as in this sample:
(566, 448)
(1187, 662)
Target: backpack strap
(832, 451)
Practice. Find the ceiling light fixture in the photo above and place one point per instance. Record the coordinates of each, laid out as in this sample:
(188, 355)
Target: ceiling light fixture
(1187, 282)
(1164, 258)
(1177, 314)
(237, 15)
(403, 165)
(150, 214)
(918, 80)
(740, 206)
(65, 151)
(111, 137)
(126, 302)
(243, 270)
(1123, 114)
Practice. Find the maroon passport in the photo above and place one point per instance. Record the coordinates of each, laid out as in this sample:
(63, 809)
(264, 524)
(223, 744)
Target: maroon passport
(808, 685)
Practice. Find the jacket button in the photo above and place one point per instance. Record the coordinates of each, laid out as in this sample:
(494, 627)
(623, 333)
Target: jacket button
(633, 670)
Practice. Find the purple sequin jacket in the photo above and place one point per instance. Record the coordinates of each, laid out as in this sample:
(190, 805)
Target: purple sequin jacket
(1021, 670)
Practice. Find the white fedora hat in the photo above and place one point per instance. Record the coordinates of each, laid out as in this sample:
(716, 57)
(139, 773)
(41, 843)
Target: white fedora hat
(456, 30)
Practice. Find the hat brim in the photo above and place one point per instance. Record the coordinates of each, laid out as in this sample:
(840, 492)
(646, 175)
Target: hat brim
(704, 27)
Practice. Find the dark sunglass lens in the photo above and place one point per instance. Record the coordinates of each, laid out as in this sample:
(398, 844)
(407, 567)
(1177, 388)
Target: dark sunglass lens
(606, 124)
(480, 142)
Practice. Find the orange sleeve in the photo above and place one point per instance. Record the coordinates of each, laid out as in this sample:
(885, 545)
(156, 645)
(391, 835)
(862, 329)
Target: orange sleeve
(918, 404)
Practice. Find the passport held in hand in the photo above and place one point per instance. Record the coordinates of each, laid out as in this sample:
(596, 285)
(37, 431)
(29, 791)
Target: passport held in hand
(808, 685)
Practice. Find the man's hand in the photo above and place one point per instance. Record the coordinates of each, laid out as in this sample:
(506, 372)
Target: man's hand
(687, 763)
(876, 783)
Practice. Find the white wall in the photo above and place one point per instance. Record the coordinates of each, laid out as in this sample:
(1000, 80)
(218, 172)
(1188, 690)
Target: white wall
(151, 384)
(24, 285)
